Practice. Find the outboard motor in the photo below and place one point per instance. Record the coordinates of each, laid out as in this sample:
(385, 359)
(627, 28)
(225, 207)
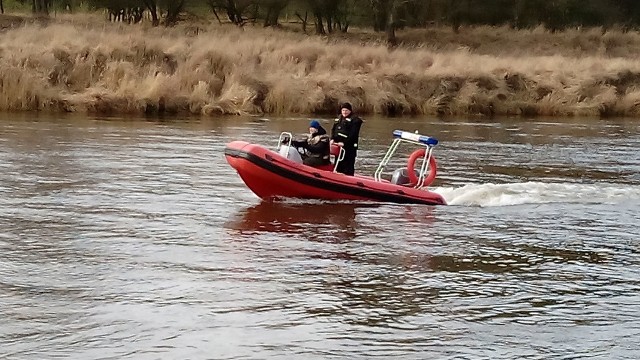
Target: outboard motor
(401, 176)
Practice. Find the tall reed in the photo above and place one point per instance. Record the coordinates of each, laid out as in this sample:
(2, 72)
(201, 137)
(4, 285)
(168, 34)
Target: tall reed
(75, 65)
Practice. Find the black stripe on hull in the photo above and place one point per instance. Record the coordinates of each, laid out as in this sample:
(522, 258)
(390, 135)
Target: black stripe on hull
(317, 181)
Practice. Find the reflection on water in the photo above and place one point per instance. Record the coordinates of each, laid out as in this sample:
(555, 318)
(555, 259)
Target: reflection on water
(308, 218)
(134, 239)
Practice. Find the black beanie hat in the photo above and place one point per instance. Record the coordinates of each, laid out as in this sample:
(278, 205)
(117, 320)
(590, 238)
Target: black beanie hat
(346, 106)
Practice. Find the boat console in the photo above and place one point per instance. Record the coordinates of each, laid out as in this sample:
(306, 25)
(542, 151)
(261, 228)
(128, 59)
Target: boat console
(410, 176)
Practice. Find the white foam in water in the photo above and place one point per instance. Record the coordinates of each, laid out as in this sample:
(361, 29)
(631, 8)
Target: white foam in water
(537, 193)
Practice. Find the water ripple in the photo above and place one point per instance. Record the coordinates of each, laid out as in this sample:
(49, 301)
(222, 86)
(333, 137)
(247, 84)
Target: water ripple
(134, 239)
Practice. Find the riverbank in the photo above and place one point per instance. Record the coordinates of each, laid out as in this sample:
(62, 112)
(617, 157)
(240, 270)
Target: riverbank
(100, 67)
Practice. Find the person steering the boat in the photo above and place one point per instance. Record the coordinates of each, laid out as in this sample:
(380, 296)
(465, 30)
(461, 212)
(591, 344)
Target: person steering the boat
(345, 133)
(316, 145)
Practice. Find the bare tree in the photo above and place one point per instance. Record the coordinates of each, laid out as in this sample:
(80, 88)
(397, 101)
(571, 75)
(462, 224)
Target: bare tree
(273, 9)
(303, 20)
(41, 7)
(386, 17)
(325, 11)
(316, 9)
(238, 11)
(174, 8)
(152, 6)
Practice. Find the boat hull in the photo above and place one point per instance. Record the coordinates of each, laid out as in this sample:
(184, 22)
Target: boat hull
(270, 175)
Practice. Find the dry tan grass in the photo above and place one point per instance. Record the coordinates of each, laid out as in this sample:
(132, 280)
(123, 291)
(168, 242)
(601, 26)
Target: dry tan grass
(72, 64)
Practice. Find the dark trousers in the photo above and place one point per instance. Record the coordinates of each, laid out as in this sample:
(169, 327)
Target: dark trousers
(346, 166)
(315, 161)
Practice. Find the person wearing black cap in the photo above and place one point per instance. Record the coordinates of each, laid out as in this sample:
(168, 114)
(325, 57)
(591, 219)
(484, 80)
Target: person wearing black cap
(316, 145)
(345, 133)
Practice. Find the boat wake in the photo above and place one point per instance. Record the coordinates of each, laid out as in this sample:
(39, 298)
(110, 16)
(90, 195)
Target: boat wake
(538, 193)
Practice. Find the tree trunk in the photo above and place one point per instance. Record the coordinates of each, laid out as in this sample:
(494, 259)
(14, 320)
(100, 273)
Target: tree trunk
(319, 25)
(516, 21)
(40, 7)
(380, 14)
(267, 18)
(216, 14)
(173, 11)
(153, 10)
(455, 16)
(392, 41)
(274, 9)
(234, 15)
(304, 20)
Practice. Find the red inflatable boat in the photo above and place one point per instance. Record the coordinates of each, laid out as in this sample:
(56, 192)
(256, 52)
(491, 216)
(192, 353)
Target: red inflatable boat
(270, 175)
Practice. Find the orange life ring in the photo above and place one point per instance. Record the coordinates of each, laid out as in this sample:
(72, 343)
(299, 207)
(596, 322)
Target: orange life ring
(433, 167)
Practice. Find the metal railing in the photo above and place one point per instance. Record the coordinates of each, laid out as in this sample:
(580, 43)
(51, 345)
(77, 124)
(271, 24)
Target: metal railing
(413, 138)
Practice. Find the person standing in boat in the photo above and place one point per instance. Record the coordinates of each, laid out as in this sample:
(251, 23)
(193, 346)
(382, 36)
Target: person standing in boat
(345, 133)
(316, 145)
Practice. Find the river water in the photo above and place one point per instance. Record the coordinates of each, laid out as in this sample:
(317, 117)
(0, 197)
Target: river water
(132, 238)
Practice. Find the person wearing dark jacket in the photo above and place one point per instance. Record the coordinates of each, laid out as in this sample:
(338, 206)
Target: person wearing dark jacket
(345, 133)
(316, 145)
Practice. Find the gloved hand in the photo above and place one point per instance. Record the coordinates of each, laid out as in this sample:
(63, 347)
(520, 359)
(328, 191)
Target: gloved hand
(299, 142)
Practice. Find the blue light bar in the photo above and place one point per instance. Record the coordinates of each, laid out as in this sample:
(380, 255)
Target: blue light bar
(415, 137)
